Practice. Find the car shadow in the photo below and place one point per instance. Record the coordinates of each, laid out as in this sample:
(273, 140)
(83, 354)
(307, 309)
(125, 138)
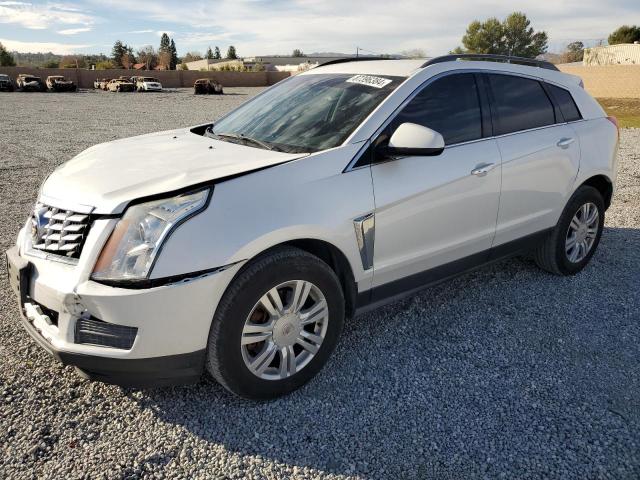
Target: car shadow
(470, 377)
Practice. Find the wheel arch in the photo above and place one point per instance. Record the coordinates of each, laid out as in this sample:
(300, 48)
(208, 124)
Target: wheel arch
(332, 256)
(604, 185)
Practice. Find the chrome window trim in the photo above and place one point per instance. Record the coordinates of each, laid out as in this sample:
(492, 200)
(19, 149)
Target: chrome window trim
(426, 83)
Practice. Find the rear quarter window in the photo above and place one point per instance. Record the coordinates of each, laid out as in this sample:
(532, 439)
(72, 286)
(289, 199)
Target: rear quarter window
(566, 103)
(519, 104)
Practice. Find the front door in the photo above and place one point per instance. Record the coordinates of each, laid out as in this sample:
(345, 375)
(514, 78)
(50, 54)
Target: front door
(437, 214)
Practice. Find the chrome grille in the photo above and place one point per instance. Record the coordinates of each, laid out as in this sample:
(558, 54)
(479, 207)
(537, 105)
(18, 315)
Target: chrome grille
(57, 231)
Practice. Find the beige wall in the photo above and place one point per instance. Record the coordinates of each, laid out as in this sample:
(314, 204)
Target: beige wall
(170, 79)
(608, 81)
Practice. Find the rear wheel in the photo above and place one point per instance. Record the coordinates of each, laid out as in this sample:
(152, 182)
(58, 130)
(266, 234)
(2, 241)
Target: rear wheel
(572, 243)
(276, 324)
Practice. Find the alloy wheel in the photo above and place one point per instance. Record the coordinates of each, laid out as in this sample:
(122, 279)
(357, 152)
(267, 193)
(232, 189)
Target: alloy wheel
(284, 330)
(582, 232)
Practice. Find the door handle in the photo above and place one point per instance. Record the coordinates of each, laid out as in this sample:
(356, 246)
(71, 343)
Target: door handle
(565, 142)
(482, 169)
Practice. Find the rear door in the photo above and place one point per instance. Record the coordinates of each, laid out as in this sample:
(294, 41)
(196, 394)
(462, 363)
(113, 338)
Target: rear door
(540, 156)
(432, 211)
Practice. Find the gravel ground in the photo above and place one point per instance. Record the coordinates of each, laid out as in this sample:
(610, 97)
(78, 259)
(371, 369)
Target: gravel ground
(507, 372)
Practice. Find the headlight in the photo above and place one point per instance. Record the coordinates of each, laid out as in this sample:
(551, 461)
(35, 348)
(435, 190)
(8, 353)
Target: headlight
(135, 242)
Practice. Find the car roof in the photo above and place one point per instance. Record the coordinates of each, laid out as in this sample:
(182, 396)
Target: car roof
(407, 68)
(399, 68)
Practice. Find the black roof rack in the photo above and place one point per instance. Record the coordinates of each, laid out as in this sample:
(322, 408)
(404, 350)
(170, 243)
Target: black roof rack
(352, 59)
(532, 62)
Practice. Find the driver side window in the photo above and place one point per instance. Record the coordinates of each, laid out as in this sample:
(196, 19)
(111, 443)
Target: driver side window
(450, 106)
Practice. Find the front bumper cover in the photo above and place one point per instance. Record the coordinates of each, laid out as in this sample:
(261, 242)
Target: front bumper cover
(183, 365)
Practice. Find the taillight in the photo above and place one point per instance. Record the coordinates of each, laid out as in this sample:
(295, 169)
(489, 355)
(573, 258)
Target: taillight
(614, 120)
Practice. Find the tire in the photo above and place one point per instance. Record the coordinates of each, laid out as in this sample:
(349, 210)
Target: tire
(228, 360)
(554, 254)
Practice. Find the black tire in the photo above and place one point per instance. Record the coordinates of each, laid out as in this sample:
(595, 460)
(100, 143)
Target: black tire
(224, 356)
(551, 255)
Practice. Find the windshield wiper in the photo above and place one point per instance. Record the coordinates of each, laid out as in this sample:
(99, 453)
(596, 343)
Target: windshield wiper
(255, 141)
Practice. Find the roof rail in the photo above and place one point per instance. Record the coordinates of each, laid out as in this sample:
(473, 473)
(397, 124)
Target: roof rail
(352, 59)
(532, 62)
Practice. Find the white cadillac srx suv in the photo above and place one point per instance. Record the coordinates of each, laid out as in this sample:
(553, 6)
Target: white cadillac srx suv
(239, 247)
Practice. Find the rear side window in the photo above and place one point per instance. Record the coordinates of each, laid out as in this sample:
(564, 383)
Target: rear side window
(450, 106)
(565, 101)
(520, 104)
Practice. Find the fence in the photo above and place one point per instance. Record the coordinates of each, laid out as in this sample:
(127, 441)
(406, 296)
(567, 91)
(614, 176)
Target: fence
(168, 78)
(608, 81)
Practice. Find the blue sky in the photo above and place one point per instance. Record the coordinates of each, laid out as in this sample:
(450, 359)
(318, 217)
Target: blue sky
(260, 27)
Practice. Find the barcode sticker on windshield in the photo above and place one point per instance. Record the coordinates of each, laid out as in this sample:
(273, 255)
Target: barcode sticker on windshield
(370, 80)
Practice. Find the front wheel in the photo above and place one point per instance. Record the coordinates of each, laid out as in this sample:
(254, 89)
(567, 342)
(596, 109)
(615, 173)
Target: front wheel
(276, 324)
(574, 240)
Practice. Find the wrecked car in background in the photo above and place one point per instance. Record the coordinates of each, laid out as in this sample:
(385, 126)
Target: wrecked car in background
(103, 83)
(120, 85)
(30, 83)
(58, 83)
(6, 85)
(207, 86)
(148, 84)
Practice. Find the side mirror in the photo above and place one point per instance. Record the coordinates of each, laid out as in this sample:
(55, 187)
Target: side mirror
(411, 139)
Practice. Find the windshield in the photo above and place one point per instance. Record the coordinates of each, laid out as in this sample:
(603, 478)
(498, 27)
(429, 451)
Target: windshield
(148, 79)
(307, 113)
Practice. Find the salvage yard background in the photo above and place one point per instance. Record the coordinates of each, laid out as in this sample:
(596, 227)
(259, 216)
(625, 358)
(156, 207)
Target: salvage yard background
(169, 78)
(507, 372)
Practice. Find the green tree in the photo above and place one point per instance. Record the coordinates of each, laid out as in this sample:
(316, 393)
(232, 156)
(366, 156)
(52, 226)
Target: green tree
(119, 49)
(174, 55)
(513, 36)
(574, 52)
(209, 54)
(165, 43)
(6, 59)
(231, 53)
(625, 34)
(298, 53)
(216, 53)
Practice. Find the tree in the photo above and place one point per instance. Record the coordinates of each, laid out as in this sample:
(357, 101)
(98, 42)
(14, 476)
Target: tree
(104, 65)
(128, 60)
(174, 55)
(148, 56)
(231, 53)
(298, 53)
(165, 43)
(414, 53)
(512, 36)
(625, 34)
(119, 49)
(216, 53)
(574, 52)
(192, 57)
(6, 59)
(209, 54)
(51, 64)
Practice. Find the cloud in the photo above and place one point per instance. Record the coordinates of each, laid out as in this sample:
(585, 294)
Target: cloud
(140, 31)
(277, 26)
(57, 48)
(74, 31)
(41, 17)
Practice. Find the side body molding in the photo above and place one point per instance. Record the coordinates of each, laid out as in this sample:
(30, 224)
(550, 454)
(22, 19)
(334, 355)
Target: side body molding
(365, 227)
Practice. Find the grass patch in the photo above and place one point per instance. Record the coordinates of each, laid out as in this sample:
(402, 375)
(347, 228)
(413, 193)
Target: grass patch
(626, 110)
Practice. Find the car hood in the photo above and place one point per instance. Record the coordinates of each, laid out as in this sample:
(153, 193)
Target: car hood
(109, 175)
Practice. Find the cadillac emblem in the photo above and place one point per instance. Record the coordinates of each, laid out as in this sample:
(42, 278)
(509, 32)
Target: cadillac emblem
(38, 224)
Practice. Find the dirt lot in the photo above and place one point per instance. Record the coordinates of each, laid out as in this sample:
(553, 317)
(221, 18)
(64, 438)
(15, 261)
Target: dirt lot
(626, 110)
(507, 372)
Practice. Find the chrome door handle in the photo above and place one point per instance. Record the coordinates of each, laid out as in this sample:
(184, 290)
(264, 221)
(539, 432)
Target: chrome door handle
(565, 142)
(482, 169)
